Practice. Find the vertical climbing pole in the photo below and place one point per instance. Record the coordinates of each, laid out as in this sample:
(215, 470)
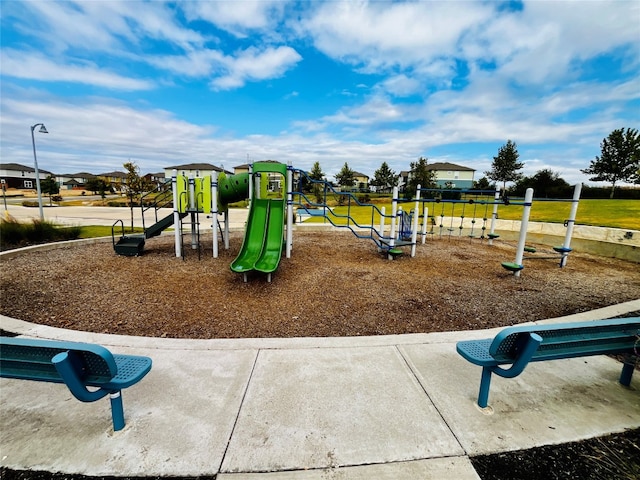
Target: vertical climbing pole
(289, 187)
(192, 208)
(382, 221)
(414, 227)
(425, 219)
(566, 246)
(524, 225)
(176, 214)
(214, 211)
(394, 212)
(494, 216)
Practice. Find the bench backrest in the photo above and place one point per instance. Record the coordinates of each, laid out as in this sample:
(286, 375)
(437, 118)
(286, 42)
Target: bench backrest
(565, 340)
(31, 360)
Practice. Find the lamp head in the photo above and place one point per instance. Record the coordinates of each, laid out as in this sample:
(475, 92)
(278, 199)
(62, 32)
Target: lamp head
(43, 129)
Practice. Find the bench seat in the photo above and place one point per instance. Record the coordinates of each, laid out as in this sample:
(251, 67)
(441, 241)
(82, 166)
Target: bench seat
(517, 346)
(77, 365)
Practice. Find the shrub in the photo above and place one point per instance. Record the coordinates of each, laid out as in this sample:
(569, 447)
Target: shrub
(69, 233)
(40, 231)
(11, 232)
(14, 234)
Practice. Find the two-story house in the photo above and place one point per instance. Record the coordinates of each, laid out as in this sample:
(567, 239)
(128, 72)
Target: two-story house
(15, 175)
(447, 175)
(195, 169)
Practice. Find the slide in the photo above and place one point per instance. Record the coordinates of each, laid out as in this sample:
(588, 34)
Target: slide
(253, 237)
(262, 246)
(274, 238)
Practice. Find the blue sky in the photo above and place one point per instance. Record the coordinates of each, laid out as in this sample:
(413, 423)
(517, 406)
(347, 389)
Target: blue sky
(226, 82)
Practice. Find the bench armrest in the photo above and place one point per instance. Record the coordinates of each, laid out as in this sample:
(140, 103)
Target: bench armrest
(524, 356)
(68, 366)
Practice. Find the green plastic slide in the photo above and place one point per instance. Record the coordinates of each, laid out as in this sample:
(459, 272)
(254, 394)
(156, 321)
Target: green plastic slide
(253, 237)
(272, 249)
(262, 246)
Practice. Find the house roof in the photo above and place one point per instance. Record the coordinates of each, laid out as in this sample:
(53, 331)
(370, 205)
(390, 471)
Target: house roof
(80, 175)
(113, 174)
(448, 166)
(16, 167)
(196, 166)
(358, 174)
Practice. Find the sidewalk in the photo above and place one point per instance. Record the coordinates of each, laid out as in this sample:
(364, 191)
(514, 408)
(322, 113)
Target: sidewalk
(389, 407)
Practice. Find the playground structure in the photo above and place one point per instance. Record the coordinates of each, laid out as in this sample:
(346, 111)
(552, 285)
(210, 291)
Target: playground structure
(187, 196)
(211, 195)
(272, 194)
(476, 220)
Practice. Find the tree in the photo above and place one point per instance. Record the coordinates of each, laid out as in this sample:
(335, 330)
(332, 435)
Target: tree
(316, 172)
(50, 187)
(346, 176)
(384, 178)
(134, 185)
(317, 175)
(483, 184)
(98, 186)
(619, 160)
(506, 165)
(545, 183)
(420, 174)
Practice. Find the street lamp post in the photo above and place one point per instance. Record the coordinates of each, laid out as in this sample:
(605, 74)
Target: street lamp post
(43, 129)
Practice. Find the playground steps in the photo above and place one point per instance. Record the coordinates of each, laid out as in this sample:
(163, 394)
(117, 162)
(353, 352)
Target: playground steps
(130, 245)
(396, 243)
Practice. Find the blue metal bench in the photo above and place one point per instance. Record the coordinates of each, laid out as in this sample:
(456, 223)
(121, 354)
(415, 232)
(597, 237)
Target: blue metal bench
(78, 365)
(517, 346)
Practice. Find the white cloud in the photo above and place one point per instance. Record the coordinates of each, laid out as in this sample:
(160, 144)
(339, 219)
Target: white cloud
(35, 66)
(542, 42)
(236, 17)
(110, 26)
(381, 35)
(255, 64)
(400, 85)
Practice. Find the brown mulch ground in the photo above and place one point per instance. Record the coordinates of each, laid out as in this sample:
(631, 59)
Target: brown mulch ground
(333, 285)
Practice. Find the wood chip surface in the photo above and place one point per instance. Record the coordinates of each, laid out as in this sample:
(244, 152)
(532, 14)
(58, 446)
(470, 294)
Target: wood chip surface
(333, 285)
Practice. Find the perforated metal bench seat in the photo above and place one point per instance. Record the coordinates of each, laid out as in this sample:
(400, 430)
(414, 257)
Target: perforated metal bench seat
(77, 365)
(517, 346)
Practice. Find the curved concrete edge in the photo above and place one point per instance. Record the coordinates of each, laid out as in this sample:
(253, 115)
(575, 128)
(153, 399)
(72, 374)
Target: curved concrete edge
(7, 254)
(34, 330)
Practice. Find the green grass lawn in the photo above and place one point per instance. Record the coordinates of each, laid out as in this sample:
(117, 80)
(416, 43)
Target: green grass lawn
(93, 231)
(602, 213)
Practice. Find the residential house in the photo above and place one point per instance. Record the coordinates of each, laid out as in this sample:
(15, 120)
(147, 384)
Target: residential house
(73, 181)
(195, 169)
(156, 179)
(244, 168)
(403, 179)
(361, 181)
(450, 175)
(15, 175)
(447, 175)
(116, 179)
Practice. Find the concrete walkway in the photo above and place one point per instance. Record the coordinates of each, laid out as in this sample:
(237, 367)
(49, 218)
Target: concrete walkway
(389, 407)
